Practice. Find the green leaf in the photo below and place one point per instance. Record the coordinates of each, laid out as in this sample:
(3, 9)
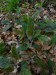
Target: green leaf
(30, 28)
(50, 63)
(4, 62)
(38, 5)
(24, 22)
(43, 38)
(23, 47)
(36, 13)
(36, 46)
(15, 54)
(2, 48)
(53, 39)
(36, 33)
(5, 22)
(51, 26)
(42, 25)
(41, 63)
(28, 25)
(7, 27)
(47, 25)
(12, 5)
(24, 69)
(18, 10)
